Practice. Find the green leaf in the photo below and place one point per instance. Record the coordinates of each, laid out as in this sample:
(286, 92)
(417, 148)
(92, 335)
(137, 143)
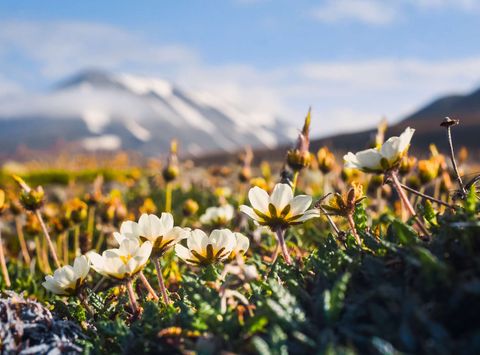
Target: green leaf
(334, 299)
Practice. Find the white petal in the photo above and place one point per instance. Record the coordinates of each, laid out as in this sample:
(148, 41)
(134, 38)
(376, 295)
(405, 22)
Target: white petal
(308, 215)
(258, 199)
(351, 161)
(176, 234)
(97, 261)
(130, 229)
(242, 243)
(197, 241)
(300, 204)
(51, 285)
(166, 220)
(64, 275)
(250, 213)
(182, 252)
(390, 149)
(119, 237)
(143, 253)
(81, 266)
(223, 238)
(281, 196)
(144, 225)
(369, 159)
(405, 139)
(128, 246)
(228, 212)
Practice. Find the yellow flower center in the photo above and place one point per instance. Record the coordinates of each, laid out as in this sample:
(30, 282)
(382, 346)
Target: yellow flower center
(125, 258)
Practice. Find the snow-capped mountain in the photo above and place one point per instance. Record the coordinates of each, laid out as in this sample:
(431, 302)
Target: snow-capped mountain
(99, 110)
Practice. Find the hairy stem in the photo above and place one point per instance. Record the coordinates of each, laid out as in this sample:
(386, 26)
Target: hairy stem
(161, 282)
(427, 197)
(3, 263)
(132, 297)
(21, 239)
(454, 162)
(47, 236)
(351, 222)
(398, 186)
(147, 285)
(280, 232)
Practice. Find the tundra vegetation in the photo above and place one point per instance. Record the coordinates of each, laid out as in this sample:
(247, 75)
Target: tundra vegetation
(377, 253)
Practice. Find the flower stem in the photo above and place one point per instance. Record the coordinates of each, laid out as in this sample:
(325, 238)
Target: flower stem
(161, 282)
(398, 186)
(90, 226)
(351, 222)
(280, 232)
(76, 240)
(132, 297)
(64, 236)
(275, 253)
(427, 197)
(330, 220)
(47, 236)
(168, 197)
(454, 162)
(100, 241)
(295, 180)
(4, 263)
(21, 239)
(148, 286)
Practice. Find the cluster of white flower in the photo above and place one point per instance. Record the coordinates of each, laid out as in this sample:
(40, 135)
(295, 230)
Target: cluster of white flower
(152, 236)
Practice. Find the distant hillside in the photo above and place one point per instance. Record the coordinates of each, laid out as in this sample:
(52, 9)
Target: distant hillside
(426, 121)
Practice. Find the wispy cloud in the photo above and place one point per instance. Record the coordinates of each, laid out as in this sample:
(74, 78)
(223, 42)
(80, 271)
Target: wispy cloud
(364, 11)
(380, 12)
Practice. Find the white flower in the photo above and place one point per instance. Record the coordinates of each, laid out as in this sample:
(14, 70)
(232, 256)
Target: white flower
(280, 209)
(124, 262)
(159, 231)
(241, 246)
(203, 249)
(382, 159)
(67, 279)
(217, 216)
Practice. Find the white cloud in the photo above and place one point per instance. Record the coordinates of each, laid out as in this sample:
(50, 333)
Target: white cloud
(364, 11)
(344, 95)
(384, 12)
(57, 47)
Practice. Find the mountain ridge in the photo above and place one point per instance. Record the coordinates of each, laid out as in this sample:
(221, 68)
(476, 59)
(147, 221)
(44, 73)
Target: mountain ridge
(133, 112)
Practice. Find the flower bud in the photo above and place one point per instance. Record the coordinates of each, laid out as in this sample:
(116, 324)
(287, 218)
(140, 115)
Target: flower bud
(298, 159)
(326, 160)
(170, 172)
(260, 182)
(428, 170)
(190, 207)
(33, 199)
(245, 174)
(406, 165)
(76, 210)
(148, 206)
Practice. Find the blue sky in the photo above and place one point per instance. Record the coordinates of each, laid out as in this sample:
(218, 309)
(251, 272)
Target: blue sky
(354, 61)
